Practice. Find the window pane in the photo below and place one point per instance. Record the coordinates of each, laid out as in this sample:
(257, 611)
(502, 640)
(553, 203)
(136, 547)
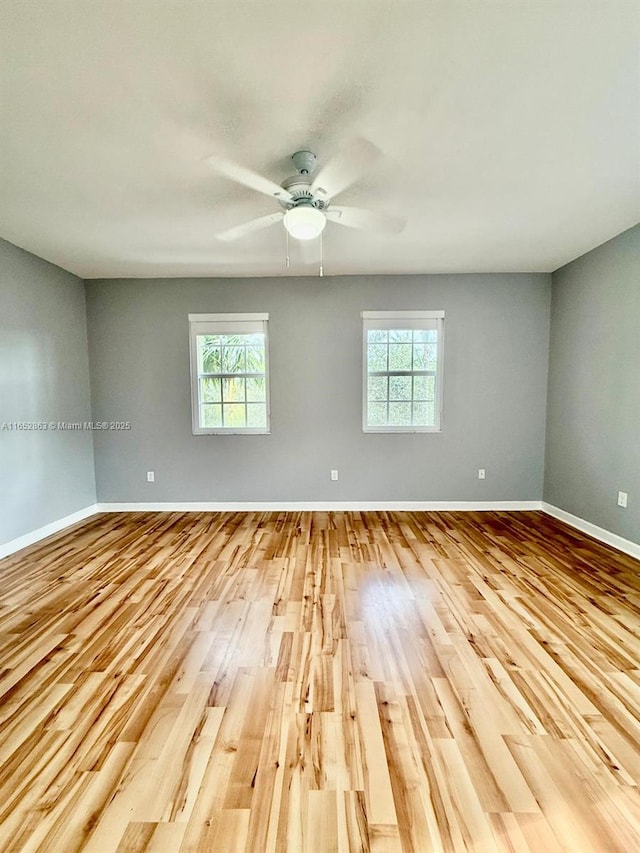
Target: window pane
(255, 358)
(210, 340)
(419, 357)
(256, 415)
(233, 360)
(420, 414)
(377, 357)
(377, 387)
(425, 335)
(231, 340)
(425, 356)
(233, 390)
(233, 415)
(209, 390)
(210, 416)
(431, 353)
(377, 414)
(399, 387)
(377, 336)
(399, 357)
(399, 414)
(208, 354)
(400, 336)
(424, 414)
(424, 387)
(256, 389)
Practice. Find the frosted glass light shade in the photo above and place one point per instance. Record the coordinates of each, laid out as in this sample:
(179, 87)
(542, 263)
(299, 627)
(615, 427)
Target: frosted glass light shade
(304, 222)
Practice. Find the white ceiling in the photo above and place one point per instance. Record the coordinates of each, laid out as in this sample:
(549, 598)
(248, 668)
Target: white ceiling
(511, 130)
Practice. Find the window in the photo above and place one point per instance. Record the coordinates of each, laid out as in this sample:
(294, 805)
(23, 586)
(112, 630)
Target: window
(402, 385)
(229, 373)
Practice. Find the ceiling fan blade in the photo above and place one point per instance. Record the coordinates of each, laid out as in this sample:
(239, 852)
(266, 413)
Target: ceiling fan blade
(247, 177)
(249, 227)
(366, 220)
(346, 167)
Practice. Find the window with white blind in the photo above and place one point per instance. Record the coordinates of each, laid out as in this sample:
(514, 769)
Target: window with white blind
(229, 373)
(402, 382)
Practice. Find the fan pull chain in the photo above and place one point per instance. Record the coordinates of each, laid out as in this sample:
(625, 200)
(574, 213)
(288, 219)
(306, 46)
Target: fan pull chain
(286, 236)
(321, 267)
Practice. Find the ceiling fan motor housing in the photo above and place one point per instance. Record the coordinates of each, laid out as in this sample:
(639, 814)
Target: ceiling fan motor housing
(299, 188)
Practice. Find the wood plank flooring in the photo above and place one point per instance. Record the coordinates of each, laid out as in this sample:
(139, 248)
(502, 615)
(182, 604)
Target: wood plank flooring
(316, 682)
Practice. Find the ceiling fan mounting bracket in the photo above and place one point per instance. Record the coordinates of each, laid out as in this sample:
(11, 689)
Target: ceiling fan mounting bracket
(305, 162)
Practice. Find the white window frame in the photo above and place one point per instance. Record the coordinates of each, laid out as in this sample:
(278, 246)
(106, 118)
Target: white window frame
(216, 324)
(403, 320)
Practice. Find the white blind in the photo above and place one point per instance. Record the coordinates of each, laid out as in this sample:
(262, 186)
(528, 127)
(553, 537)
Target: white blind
(402, 319)
(227, 324)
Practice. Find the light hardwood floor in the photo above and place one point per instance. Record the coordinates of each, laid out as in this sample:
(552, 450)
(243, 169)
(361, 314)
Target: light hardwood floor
(317, 682)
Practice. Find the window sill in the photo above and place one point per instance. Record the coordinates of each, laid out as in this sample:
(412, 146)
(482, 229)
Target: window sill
(232, 432)
(401, 431)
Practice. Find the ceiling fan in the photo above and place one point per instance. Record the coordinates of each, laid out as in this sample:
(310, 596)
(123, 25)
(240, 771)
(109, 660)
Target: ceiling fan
(307, 201)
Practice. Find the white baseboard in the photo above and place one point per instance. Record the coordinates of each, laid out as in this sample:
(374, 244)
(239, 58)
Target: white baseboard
(599, 533)
(321, 506)
(48, 530)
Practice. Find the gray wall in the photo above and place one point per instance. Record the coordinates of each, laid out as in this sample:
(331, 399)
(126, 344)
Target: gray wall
(593, 424)
(495, 378)
(44, 376)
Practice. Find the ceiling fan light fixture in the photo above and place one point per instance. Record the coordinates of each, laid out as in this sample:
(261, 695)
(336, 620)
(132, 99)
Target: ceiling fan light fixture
(304, 222)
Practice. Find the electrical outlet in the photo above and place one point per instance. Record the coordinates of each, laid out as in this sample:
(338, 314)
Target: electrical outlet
(334, 474)
(622, 499)
(481, 473)
(151, 476)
